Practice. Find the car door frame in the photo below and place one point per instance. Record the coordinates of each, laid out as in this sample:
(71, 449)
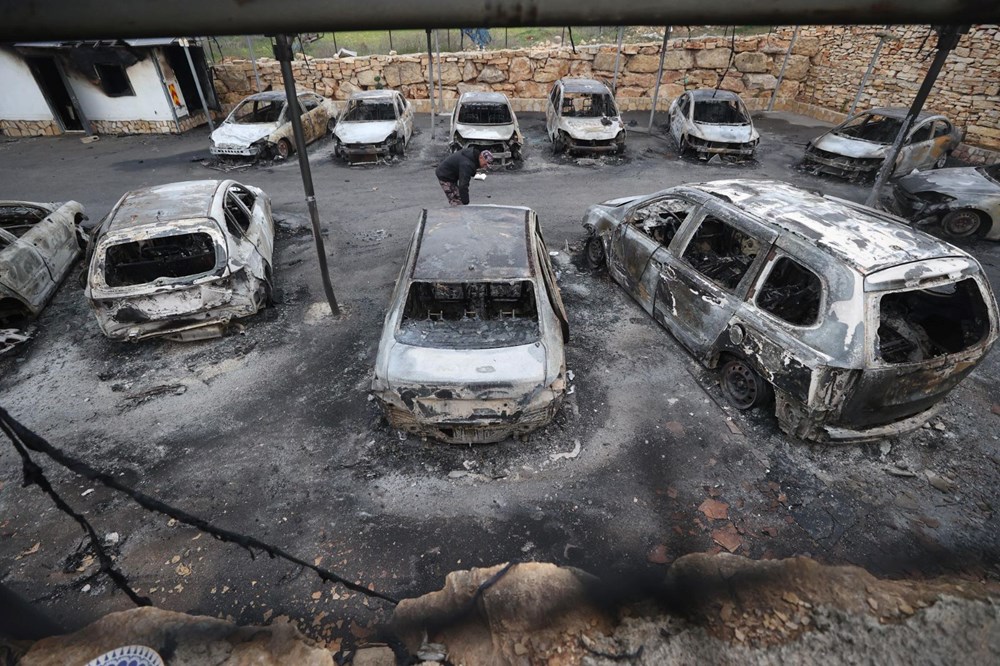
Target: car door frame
(677, 119)
(33, 285)
(549, 280)
(917, 155)
(552, 110)
(256, 233)
(405, 115)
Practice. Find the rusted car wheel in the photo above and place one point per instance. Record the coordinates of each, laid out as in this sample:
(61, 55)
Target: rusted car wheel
(283, 149)
(594, 251)
(743, 386)
(961, 223)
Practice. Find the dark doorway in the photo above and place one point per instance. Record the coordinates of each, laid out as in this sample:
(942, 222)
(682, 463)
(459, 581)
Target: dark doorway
(53, 86)
(182, 70)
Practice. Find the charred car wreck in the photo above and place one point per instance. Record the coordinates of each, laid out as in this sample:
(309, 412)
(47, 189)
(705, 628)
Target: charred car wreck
(963, 201)
(581, 116)
(853, 323)
(487, 121)
(181, 260)
(374, 125)
(712, 122)
(472, 349)
(260, 126)
(39, 243)
(856, 148)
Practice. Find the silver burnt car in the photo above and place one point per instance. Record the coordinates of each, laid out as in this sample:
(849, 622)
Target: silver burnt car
(712, 122)
(181, 260)
(487, 121)
(374, 124)
(472, 349)
(963, 201)
(260, 126)
(854, 324)
(581, 116)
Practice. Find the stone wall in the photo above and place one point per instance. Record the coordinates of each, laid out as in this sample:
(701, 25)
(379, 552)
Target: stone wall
(122, 127)
(526, 75)
(30, 128)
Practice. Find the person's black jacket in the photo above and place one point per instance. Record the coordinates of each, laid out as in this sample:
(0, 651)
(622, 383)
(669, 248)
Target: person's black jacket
(459, 168)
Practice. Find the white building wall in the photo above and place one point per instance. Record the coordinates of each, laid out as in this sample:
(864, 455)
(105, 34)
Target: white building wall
(148, 103)
(21, 98)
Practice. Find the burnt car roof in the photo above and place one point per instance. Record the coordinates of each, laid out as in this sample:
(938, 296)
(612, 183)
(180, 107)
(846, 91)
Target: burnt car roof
(474, 243)
(477, 96)
(864, 239)
(893, 112)
(385, 93)
(712, 94)
(584, 86)
(173, 201)
(272, 96)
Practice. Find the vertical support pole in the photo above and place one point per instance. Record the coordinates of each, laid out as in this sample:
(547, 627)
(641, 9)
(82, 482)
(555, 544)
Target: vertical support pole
(253, 62)
(390, 41)
(197, 82)
(948, 36)
(437, 47)
(505, 37)
(571, 42)
(461, 39)
(430, 78)
(336, 48)
(283, 54)
(618, 57)
(562, 38)
(659, 75)
(166, 91)
(868, 72)
(784, 63)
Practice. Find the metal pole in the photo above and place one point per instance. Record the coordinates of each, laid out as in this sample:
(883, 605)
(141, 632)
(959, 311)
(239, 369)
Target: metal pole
(571, 42)
(562, 38)
(390, 41)
(618, 55)
(784, 63)
(659, 75)
(253, 61)
(430, 78)
(335, 47)
(871, 65)
(197, 82)
(283, 53)
(437, 47)
(505, 37)
(948, 36)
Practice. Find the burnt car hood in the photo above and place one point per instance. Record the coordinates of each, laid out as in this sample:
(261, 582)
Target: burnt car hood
(724, 133)
(234, 134)
(485, 132)
(964, 181)
(850, 147)
(465, 369)
(375, 131)
(591, 128)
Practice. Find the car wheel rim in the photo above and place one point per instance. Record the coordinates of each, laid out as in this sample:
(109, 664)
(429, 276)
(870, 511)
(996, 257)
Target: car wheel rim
(962, 223)
(740, 385)
(283, 149)
(595, 251)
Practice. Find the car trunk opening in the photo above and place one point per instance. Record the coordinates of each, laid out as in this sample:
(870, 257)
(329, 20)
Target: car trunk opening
(720, 112)
(470, 315)
(484, 113)
(18, 220)
(923, 324)
(366, 110)
(142, 261)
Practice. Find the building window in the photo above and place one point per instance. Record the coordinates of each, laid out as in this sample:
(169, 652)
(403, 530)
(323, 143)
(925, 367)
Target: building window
(114, 81)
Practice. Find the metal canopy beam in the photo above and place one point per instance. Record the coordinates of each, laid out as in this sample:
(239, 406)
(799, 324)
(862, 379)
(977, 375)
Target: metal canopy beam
(26, 20)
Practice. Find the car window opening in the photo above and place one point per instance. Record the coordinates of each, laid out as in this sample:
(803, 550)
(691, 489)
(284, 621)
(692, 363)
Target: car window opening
(791, 292)
(587, 105)
(470, 315)
(367, 110)
(992, 172)
(484, 113)
(142, 261)
(18, 220)
(255, 111)
(922, 324)
(720, 112)
(237, 217)
(661, 219)
(721, 252)
(875, 128)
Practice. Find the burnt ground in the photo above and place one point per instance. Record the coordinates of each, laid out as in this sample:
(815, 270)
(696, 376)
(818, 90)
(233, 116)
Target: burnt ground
(269, 431)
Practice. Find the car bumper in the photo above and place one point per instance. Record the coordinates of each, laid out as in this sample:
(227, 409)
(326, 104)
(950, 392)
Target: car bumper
(593, 145)
(723, 148)
(845, 167)
(500, 150)
(362, 153)
(845, 434)
(235, 151)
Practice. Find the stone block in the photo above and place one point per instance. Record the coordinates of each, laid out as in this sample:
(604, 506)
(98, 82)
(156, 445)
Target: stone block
(581, 68)
(797, 67)
(752, 62)
(472, 87)
(746, 45)
(756, 82)
(807, 45)
(640, 80)
(632, 92)
(469, 71)
(678, 59)
(366, 79)
(734, 83)
(712, 58)
(643, 64)
(491, 74)
(604, 62)
(531, 89)
(520, 69)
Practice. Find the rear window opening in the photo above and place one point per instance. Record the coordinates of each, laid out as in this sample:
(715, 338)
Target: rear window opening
(18, 220)
(587, 105)
(144, 261)
(470, 315)
(924, 324)
(12, 313)
(364, 111)
(720, 112)
(484, 113)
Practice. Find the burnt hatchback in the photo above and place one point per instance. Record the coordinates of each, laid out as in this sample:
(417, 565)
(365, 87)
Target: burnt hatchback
(472, 349)
(854, 324)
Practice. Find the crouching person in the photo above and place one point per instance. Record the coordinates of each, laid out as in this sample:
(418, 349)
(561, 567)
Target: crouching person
(456, 170)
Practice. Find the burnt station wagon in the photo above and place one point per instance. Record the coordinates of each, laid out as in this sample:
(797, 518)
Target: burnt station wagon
(856, 325)
(472, 349)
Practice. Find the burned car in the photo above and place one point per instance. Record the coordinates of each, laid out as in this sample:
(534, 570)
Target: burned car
(712, 122)
(963, 201)
(856, 148)
(39, 243)
(581, 116)
(374, 124)
(181, 260)
(487, 121)
(472, 348)
(260, 126)
(854, 324)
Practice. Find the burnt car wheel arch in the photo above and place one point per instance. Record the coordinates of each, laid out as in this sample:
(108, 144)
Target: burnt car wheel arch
(594, 252)
(743, 386)
(964, 222)
(283, 149)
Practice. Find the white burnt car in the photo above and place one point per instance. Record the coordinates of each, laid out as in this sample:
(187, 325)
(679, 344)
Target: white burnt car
(857, 147)
(487, 121)
(964, 201)
(581, 116)
(260, 126)
(712, 122)
(39, 243)
(472, 346)
(374, 124)
(181, 260)
(854, 324)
